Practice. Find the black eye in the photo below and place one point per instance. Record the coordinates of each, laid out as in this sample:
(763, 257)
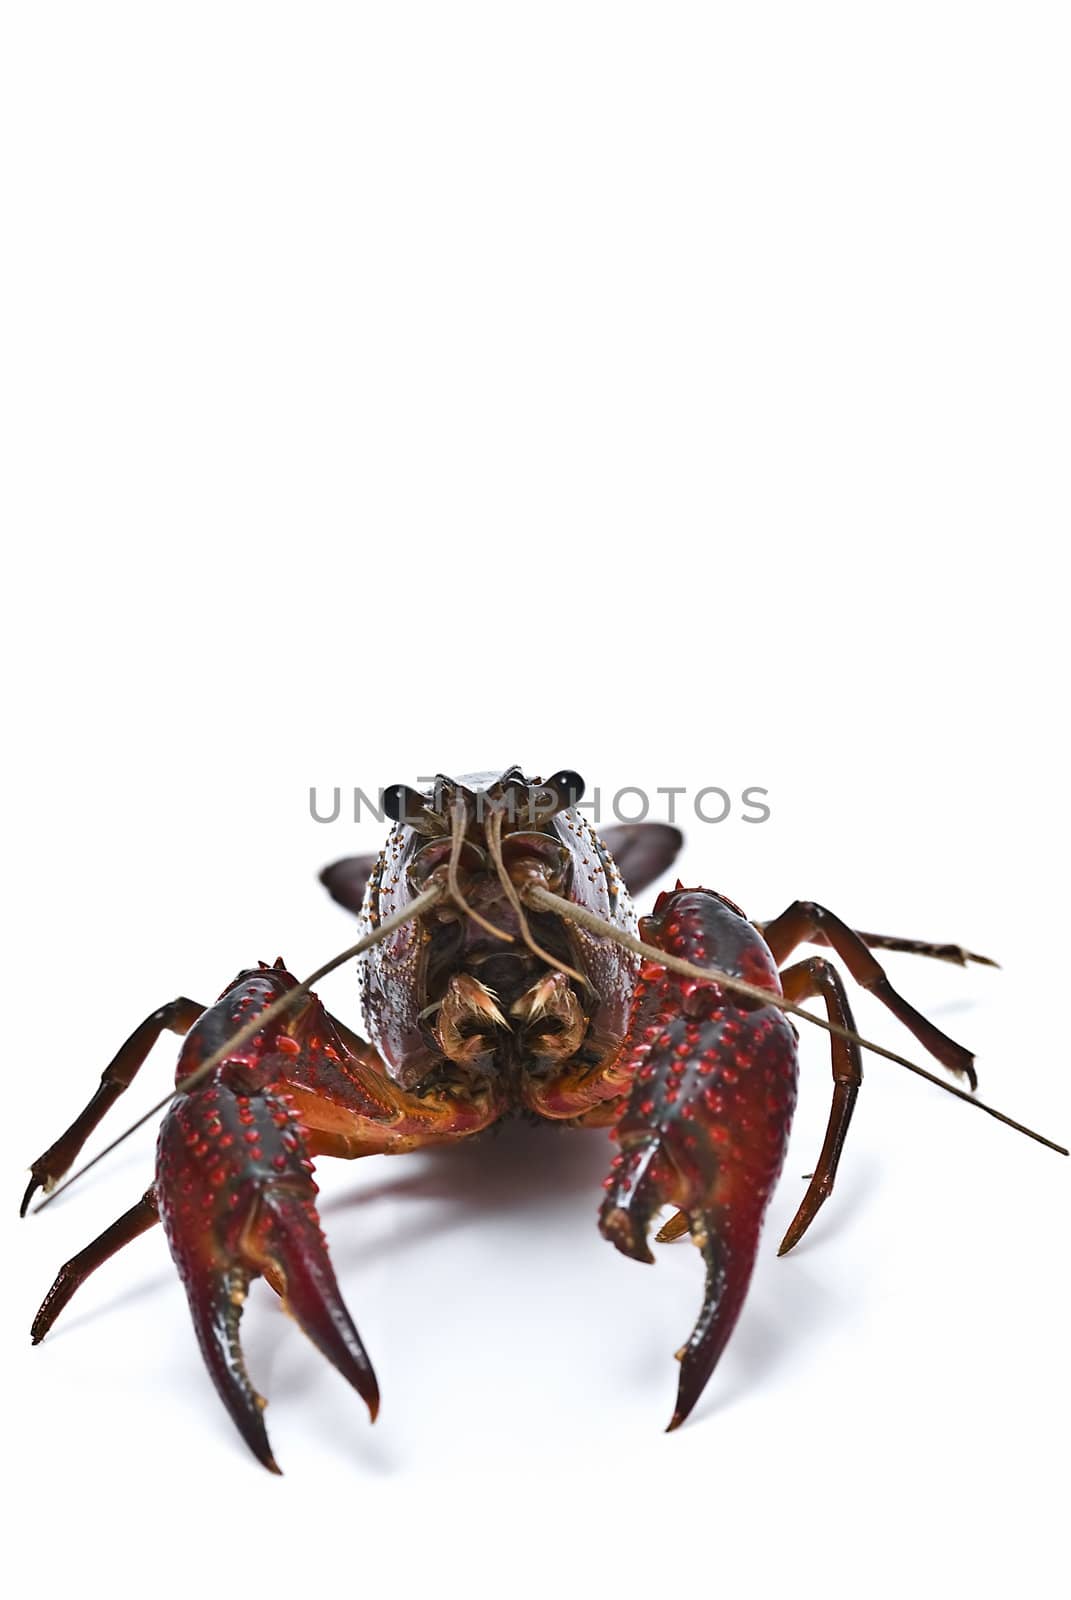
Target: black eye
(400, 803)
(570, 785)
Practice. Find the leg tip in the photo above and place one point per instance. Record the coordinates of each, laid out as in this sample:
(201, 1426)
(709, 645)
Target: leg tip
(964, 1068)
(795, 1231)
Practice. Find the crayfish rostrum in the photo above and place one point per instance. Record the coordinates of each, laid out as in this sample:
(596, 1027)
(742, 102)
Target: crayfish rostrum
(502, 972)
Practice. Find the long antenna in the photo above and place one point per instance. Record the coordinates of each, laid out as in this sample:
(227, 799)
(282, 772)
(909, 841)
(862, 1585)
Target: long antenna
(535, 894)
(278, 1008)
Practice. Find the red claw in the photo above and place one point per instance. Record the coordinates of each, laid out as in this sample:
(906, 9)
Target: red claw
(706, 1124)
(237, 1201)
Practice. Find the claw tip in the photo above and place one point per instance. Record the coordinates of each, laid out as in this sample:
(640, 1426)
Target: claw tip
(619, 1227)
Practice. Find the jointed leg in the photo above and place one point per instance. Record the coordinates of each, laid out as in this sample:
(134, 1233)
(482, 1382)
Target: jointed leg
(806, 922)
(131, 1225)
(807, 981)
(955, 953)
(179, 1016)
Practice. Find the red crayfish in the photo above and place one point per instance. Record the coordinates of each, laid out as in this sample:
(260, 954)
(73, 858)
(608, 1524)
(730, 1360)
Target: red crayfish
(502, 971)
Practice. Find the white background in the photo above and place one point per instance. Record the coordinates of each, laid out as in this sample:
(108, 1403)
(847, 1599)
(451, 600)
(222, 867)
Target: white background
(678, 393)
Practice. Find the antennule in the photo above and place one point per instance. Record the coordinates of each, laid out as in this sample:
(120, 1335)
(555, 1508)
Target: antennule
(494, 846)
(457, 839)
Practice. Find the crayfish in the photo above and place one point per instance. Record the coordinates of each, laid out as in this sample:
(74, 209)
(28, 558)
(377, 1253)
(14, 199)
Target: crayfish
(502, 971)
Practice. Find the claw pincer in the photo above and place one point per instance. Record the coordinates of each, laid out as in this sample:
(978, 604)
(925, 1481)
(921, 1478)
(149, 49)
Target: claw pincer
(707, 1121)
(237, 1201)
